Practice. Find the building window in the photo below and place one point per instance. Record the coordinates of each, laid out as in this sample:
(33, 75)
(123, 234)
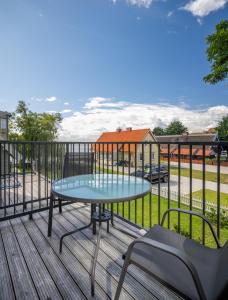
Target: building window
(152, 155)
(140, 156)
(3, 124)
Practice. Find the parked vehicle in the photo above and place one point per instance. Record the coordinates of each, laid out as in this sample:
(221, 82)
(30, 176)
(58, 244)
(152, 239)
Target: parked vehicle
(121, 163)
(155, 175)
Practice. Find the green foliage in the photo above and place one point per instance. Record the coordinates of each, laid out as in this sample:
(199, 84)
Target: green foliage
(217, 53)
(158, 131)
(212, 217)
(182, 231)
(175, 127)
(26, 125)
(223, 129)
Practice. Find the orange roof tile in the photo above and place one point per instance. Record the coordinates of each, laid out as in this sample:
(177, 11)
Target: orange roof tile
(137, 135)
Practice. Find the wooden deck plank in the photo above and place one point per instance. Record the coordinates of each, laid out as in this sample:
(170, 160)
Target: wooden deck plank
(6, 287)
(21, 278)
(118, 247)
(87, 240)
(115, 247)
(103, 278)
(49, 275)
(67, 286)
(35, 264)
(76, 267)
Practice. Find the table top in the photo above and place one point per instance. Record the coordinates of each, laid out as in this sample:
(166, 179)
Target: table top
(101, 188)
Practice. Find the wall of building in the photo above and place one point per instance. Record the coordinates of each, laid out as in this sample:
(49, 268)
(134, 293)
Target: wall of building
(146, 151)
(4, 125)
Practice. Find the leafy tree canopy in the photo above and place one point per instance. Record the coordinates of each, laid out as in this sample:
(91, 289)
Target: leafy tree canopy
(26, 125)
(222, 129)
(175, 127)
(158, 131)
(217, 53)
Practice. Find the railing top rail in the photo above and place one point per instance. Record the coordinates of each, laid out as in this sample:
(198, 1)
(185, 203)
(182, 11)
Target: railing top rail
(220, 143)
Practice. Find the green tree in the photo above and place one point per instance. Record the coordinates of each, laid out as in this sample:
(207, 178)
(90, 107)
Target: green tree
(222, 129)
(26, 125)
(175, 127)
(217, 53)
(158, 131)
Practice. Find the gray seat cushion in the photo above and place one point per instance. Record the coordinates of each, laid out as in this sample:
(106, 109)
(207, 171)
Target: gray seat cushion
(211, 264)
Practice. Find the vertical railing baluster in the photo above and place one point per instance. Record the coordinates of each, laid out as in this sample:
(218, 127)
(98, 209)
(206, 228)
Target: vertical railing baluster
(136, 200)
(218, 189)
(14, 177)
(142, 177)
(123, 169)
(204, 204)
(179, 183)
(150, 195)
(129, 173)
(159, 185)
(169, 174)
(190, 190)
(117, 169)
(31, 178)
(24, 158)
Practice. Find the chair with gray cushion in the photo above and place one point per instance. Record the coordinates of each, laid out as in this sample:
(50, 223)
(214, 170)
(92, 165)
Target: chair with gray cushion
(191, 269)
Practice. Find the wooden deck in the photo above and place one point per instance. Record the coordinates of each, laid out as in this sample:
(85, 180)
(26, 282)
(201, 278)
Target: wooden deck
(32, 268)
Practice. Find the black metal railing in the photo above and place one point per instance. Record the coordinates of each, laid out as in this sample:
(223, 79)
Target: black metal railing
(27, 170)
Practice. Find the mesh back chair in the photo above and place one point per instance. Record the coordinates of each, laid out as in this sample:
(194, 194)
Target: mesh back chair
(76, 163)
(191, 269)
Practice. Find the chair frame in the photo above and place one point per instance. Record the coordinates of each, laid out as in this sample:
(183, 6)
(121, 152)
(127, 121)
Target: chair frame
(170, 250)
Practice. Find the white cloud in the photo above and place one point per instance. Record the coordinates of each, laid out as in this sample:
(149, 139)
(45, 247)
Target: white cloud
(65, 111)
(169, 14)
(66, 103)
(200, 21)
(99, 116)
(202, 8)
(139, 3)
(52, 111)
(99, 102)
(51, 99)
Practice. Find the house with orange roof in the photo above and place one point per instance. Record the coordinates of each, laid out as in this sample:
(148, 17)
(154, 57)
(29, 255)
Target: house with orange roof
(124, 150)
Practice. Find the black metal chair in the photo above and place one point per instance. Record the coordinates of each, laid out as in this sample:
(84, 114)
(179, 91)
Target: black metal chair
(76, 163)
(191, 269)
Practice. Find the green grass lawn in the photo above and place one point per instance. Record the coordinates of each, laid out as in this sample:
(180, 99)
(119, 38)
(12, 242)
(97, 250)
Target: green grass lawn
(211, 196)
(147, 215)
(210, 176)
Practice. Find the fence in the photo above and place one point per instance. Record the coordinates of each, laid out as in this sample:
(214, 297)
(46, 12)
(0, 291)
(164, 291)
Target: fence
(185, 199)
(27, 170)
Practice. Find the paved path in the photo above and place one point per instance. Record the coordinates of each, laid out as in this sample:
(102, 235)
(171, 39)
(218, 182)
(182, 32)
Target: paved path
(197, 185)
(209, 168)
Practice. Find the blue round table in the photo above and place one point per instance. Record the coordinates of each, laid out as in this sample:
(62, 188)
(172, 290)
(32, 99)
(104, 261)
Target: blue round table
(96, 189)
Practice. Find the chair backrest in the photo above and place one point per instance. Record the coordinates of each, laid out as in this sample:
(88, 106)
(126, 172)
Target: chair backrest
(76, 163)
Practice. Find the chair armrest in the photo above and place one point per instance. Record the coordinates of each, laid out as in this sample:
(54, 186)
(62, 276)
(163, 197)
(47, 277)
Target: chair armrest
(193, 213)
(174, 252)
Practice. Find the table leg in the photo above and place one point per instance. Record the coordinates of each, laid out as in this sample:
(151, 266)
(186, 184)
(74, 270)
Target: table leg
(50, 215)
(95, 260)
(71, 232)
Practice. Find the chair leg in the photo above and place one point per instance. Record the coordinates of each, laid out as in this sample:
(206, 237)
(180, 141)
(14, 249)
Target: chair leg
(94, 227)
(112, 217)
(60, 206)
(122, 276)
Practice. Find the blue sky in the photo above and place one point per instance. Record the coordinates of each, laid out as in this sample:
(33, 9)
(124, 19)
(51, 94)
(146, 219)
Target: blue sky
(64, 55)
